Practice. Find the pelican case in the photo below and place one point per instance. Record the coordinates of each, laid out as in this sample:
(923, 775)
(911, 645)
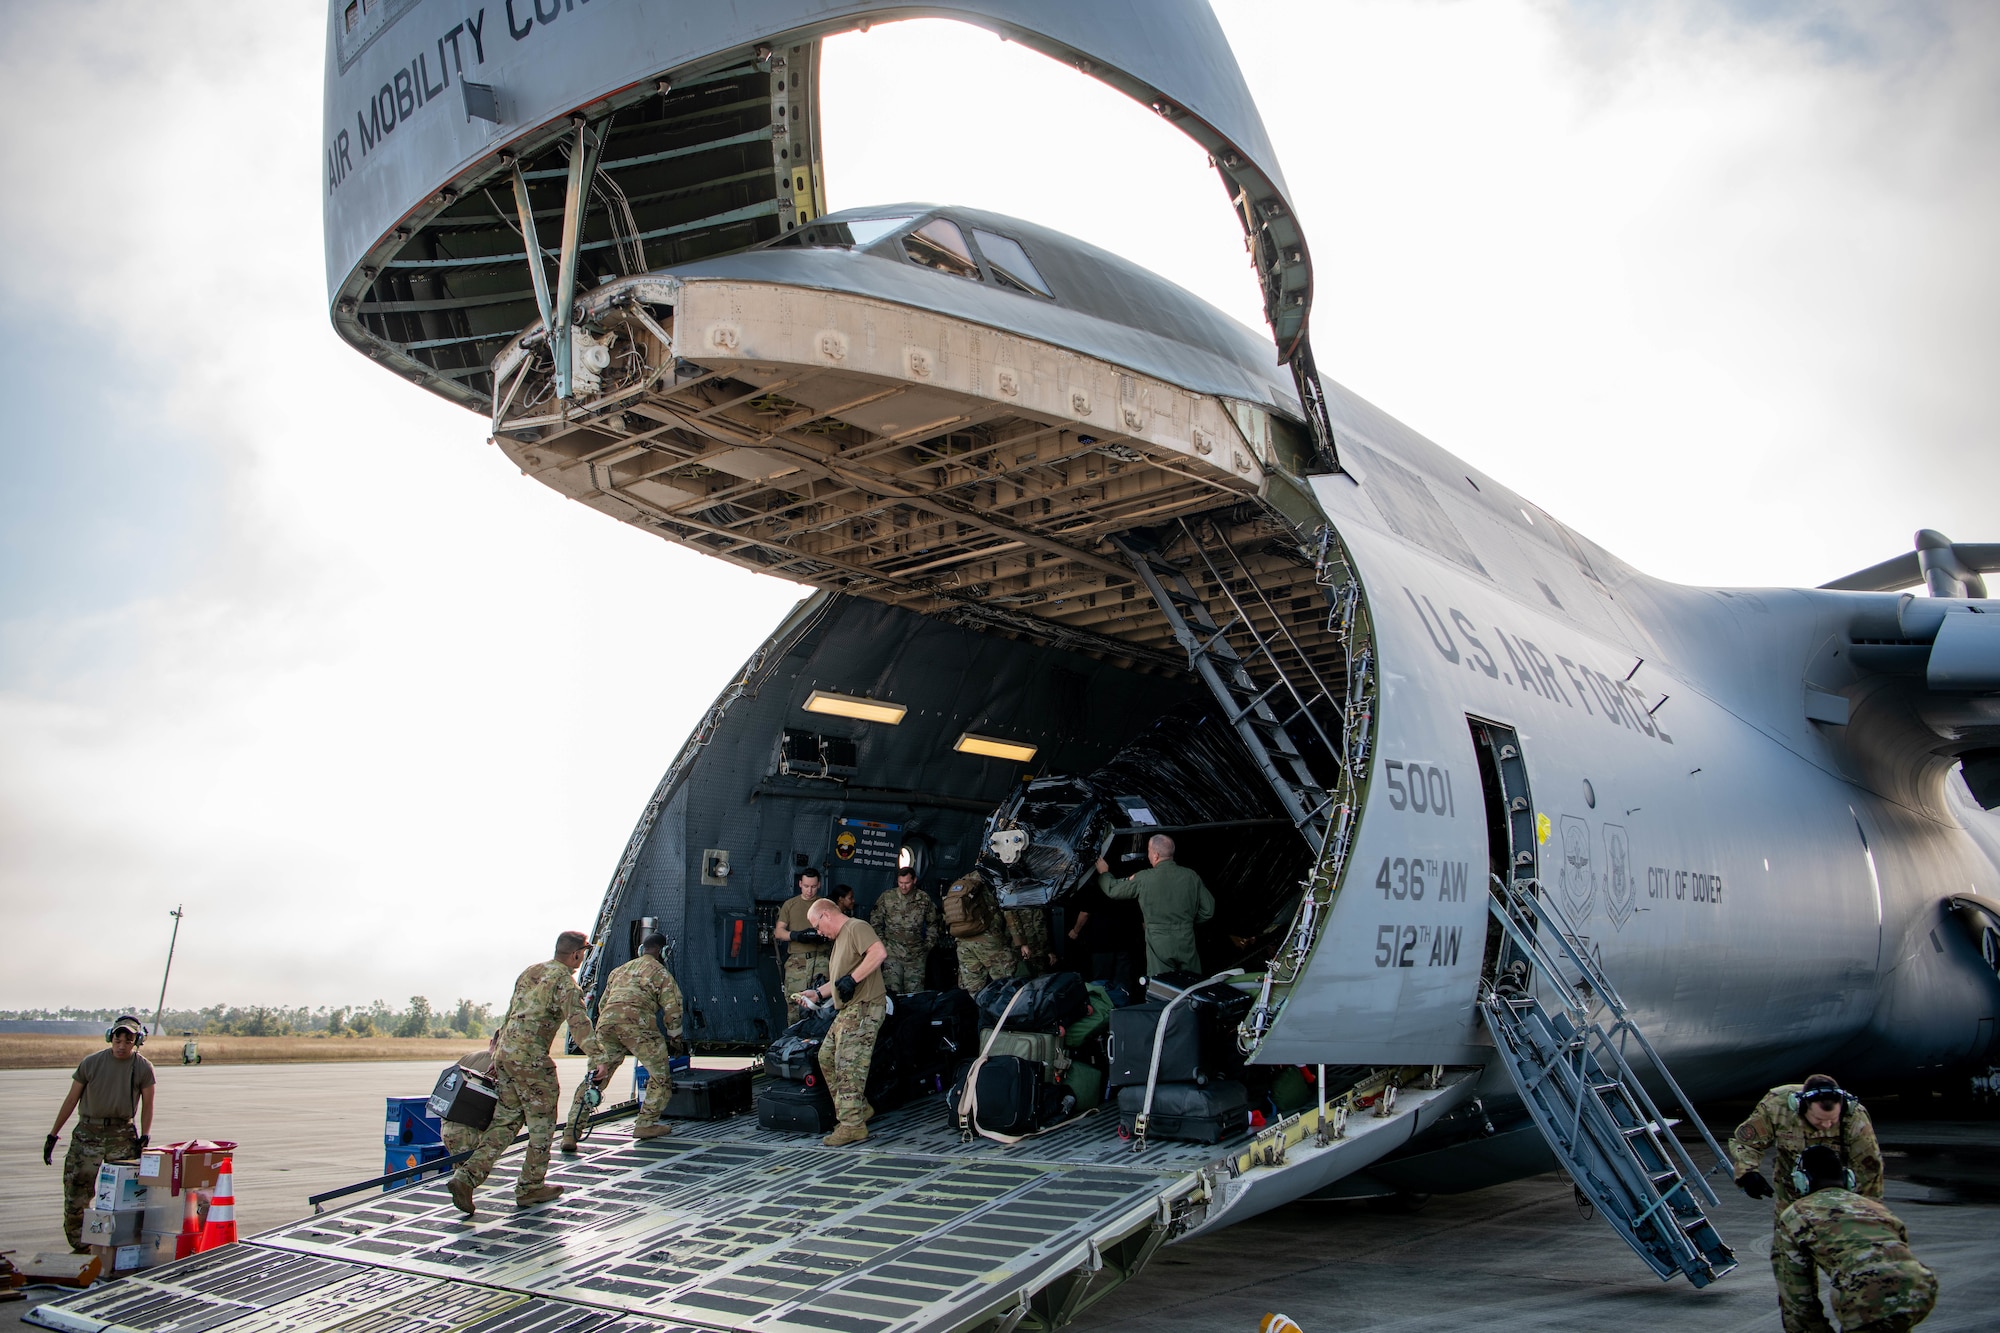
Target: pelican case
(463, 1098)
(795, 1108)
(708, 1094)
(1130, 1047)
(1191, 1113)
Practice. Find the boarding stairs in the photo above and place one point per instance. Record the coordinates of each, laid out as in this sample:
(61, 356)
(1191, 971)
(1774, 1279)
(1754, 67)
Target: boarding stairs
(1266, 708)
(1569, 1066)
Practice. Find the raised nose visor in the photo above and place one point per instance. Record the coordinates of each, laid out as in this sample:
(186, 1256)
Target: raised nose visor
(851, 442)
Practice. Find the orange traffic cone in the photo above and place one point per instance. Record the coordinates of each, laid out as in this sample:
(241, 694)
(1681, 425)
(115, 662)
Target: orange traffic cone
(190, 1238)
(221, 1227)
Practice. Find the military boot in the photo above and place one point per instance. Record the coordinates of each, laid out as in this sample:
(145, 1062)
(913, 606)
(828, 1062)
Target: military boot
(535, 1194)
(652, 1131)
(461, 1193)
(844, 1134)
(568, 1144)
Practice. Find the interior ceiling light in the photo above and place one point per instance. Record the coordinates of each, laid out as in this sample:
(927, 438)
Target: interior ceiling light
(847, 705)
(994, 748)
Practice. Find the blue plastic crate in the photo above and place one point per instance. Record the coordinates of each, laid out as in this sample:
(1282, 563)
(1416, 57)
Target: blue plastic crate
(401, 1159)
(409, 1123)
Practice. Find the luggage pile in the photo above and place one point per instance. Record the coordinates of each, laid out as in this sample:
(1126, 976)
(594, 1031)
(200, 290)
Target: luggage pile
(927, 1040)
(1196, 1094)
(1029, 1075)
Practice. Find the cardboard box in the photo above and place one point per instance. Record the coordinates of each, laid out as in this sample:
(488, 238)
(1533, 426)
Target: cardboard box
(119, 1187)
(118, 1258)
(193, 1164)
(112, 1228)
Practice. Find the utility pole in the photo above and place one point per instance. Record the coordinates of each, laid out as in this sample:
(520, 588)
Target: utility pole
(162, 1008)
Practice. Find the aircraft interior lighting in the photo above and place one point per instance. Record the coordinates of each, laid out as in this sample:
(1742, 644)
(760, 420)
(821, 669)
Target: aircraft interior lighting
(847, 705)
(994, 748)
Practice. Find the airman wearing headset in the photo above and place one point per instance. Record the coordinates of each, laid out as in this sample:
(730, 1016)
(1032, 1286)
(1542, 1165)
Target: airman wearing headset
(1794, 1117)
(110, 1088)
(1863, 1249)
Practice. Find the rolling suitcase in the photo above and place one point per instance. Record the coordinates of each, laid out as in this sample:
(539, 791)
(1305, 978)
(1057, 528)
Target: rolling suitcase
(1188, 1112)
(795, 1108)
(1130, 1047)
(795, 1054)
(1009, 1097)
(708, 1094)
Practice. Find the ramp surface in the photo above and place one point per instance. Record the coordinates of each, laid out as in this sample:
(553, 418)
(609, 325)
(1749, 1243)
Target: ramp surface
(722, 1227)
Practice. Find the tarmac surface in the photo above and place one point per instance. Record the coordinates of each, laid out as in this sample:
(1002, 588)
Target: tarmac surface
(1516, 1257)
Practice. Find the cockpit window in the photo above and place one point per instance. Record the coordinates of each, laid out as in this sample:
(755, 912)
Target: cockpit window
(845, 235)
(939, 244)
(1010, 263)
(867, 231)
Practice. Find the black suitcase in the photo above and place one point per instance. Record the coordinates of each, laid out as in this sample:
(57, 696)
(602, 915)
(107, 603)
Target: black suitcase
(1129, 1047)
(1220, 1008)
(933, 1030)
(708, 1094)
(1047, 1003)
(795, 1108)
(1191, 1113)
(1010, 1096)
(464, 1098)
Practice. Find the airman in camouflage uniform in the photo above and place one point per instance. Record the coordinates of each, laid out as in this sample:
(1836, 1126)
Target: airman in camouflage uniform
(987, 957)
(909, 923)
(1028, 932)
(545, 996)
(1878, 1285)
(857, 992)
(633, 995)
(109, 1088)
(1791, 1118)
(805, 948)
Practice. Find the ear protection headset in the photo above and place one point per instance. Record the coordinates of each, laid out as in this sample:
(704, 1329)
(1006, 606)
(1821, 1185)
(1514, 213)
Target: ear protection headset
(1803, 1183)
(128, 1024)
(1825, 1092)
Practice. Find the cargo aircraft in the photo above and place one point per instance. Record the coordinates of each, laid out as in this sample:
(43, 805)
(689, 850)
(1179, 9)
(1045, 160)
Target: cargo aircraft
(1516, 848)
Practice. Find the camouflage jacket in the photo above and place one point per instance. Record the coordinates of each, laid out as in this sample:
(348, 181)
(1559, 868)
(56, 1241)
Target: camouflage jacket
(544, 997)
(1777, 1123)
(909, 923)
(1029, 926)
(637, 991)
(1864, 1251)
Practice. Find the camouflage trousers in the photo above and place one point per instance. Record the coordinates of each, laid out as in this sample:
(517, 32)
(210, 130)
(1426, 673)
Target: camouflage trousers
(984, 960)
(89, 1147)
(845, 1055)
(1884, 1298)
(903, 969)
(459, 1138)
(528, 1092)
(803, 968)
(618, 1040)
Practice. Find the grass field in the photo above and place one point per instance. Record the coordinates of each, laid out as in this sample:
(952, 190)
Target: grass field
(39, 1051)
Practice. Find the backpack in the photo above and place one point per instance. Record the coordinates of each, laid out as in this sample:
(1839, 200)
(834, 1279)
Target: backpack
(968, 908)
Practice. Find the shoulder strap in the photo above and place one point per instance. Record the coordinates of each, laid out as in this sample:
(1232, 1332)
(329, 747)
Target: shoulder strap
(968, 1097)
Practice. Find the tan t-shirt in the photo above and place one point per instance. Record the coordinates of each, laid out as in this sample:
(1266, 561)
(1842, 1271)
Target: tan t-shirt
(111, 1086)
(856, 938)
(793, 916)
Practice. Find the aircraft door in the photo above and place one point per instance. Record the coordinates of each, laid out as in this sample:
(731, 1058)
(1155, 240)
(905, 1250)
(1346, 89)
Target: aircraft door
(1513, 842)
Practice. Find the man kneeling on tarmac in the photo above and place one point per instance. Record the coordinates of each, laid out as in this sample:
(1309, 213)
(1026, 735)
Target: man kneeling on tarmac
(1878, 1285)
(635, 995)
(857, 991)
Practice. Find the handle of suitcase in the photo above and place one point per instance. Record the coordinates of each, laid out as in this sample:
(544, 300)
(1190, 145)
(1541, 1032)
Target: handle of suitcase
(1159, 1042)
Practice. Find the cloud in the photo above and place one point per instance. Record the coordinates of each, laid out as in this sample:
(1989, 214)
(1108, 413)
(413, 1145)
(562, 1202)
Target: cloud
(282, 638)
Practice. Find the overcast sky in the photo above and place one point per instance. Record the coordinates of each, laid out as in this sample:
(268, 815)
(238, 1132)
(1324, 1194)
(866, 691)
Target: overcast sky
(281, 638)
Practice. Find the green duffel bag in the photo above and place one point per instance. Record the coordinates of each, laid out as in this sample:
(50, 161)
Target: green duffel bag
(1092, 1023)
(1087, 1082)
(1042, 1048)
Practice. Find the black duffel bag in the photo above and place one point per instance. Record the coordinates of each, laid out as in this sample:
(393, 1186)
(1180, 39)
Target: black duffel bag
(1012, 1099)
(1048, 1003)
(794, 1056)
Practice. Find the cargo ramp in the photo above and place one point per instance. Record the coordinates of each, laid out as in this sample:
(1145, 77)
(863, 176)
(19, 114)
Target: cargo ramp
(728, 1227)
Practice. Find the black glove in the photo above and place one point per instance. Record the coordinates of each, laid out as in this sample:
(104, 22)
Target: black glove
(676, 1047)
(807, 936)
(49, 1151)
(1752, 1183)
(144, 1139)
(845, 986)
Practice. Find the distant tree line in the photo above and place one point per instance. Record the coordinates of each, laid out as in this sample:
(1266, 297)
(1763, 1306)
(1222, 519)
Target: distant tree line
(465, 1019)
